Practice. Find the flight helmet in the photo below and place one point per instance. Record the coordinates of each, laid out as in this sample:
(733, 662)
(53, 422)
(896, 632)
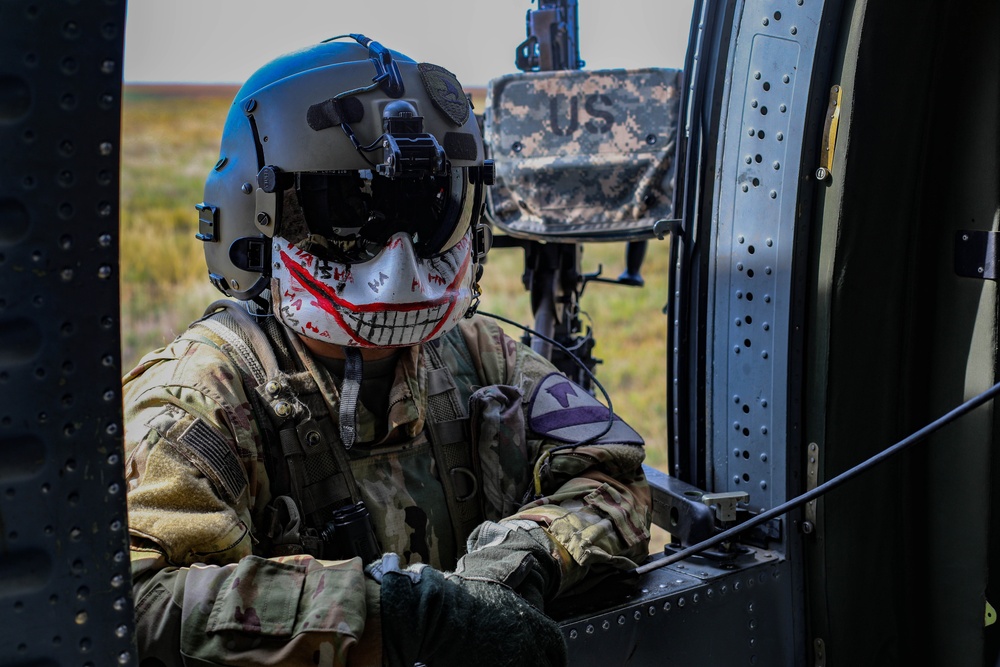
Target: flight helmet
(351, 185)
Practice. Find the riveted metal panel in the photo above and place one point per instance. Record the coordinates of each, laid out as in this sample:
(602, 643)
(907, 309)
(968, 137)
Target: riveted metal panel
(64, 579)
(751, 272)
(693, 614)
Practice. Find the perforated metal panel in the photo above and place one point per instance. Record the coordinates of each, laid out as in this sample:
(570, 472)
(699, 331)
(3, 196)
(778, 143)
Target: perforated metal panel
(751, 277)
(64, 581)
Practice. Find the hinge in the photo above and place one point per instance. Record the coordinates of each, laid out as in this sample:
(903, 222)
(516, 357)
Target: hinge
(819, 650)
(812, 481)
(976, 254)
(830, 134)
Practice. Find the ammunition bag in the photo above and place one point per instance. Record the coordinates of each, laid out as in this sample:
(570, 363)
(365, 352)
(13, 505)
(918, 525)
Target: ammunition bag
(583, 155)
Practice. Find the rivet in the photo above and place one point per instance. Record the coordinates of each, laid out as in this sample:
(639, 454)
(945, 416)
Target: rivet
(234, 283)
(272, 388)
(282, 408)
(313, 438)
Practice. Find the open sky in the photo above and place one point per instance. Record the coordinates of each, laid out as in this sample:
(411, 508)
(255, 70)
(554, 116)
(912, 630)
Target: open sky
(224, 41)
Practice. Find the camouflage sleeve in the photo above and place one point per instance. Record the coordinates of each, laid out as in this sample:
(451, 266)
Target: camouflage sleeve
(593, 501)
(195, 484)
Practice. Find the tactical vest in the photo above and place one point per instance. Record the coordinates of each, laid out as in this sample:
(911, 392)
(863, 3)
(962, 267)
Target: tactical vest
(314, 491)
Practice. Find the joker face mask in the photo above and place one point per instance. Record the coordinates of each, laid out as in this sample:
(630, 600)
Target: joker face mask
(367, 261)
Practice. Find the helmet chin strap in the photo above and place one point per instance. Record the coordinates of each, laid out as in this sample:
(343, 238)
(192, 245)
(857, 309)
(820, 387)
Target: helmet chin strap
(349, 391)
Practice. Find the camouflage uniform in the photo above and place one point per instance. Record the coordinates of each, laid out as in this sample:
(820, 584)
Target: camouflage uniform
(198, 489)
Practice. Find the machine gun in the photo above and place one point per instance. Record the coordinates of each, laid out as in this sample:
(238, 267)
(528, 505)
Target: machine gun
(553, 273)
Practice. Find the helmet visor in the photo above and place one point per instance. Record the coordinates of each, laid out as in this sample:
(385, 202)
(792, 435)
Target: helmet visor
(349, 216)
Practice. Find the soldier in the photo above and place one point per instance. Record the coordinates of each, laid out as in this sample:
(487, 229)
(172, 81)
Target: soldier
(341, 464)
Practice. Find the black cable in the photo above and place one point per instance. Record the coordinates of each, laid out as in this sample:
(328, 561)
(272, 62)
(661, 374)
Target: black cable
(581, 364)
(730, 533)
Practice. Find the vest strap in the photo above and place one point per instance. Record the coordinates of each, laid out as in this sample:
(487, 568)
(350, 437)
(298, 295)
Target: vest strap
(451, 442)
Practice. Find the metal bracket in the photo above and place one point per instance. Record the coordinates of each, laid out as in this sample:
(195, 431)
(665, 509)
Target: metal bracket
(677, 507)
(976, 254)
(208, 222)
(812, 481)
(724, 504)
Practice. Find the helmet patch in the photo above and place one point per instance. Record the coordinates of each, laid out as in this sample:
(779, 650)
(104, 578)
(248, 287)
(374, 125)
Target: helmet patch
(445, 92)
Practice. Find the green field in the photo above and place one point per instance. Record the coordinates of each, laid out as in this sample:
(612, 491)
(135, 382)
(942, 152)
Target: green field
(171, 140)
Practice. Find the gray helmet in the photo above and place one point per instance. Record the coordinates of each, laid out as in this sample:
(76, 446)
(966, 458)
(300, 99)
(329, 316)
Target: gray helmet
(314, 119)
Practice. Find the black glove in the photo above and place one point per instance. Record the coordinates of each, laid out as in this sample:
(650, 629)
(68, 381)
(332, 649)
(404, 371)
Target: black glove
(452, 622)
(516, 554)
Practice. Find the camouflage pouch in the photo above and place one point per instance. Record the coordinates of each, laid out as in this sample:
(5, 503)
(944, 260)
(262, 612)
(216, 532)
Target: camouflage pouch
(279, 611)
(583, 155)
(498, 435)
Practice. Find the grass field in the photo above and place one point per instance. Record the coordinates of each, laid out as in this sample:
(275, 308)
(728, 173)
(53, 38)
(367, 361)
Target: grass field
(171, 140)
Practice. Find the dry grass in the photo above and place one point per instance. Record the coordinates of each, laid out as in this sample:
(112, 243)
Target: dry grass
(171, 140)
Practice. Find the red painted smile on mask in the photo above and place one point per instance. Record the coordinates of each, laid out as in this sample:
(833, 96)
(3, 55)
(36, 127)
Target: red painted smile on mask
(329, 301)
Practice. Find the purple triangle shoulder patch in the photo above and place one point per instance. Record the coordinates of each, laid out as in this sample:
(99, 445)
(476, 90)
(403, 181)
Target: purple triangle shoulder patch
(562, 410)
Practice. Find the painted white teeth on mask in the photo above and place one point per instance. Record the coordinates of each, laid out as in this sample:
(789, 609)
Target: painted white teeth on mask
(384, 328)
